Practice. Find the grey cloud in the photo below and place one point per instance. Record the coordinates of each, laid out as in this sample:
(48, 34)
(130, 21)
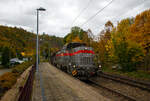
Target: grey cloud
(59, 15)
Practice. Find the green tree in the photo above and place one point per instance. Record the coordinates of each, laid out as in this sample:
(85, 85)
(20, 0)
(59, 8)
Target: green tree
(75, 32)
(5, 56)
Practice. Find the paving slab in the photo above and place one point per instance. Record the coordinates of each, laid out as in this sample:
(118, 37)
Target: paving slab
(59, 86)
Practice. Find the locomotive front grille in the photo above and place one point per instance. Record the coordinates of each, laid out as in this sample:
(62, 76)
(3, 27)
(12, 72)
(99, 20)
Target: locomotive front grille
(85, 60)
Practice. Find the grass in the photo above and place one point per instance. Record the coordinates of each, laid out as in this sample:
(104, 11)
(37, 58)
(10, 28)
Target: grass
(140, 75)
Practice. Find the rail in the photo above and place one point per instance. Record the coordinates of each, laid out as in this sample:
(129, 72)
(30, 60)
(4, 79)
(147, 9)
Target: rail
(135, 83)
(125, 96)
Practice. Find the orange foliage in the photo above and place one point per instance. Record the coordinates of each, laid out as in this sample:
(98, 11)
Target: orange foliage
(141, 29)
(7, 80)
(76, 39)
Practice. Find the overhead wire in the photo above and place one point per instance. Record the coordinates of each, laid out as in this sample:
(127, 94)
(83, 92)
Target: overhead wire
(115, 19)
(81, 12)
(97, 13)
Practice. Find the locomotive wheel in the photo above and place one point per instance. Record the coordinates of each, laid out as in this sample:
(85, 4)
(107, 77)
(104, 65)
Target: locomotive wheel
(57, 66)
(65, 69)
(68, 70)
(61, 67)
(98, 72)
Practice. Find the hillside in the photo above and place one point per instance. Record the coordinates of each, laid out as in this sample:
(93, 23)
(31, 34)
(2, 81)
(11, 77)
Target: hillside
(18, 41)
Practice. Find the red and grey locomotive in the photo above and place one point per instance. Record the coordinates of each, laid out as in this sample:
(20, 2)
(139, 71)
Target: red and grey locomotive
(76, 59)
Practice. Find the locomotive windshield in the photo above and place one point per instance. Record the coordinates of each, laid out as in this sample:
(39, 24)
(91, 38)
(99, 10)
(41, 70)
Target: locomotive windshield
(74, 45)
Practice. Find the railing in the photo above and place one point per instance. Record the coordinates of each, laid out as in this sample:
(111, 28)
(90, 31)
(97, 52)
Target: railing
(26, 91)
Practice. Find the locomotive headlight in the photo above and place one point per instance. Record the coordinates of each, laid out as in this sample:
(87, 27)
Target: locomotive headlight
(69, 64)
(99, 66)
(74, 66)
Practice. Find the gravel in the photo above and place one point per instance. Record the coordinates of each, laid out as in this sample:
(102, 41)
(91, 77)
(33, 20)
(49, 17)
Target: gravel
(136, 93)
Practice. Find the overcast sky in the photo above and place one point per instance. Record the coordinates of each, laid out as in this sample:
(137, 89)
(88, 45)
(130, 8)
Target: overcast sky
(59, 15)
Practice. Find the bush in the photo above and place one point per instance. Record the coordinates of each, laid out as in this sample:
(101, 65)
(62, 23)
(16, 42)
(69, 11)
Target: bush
(21, 67)
(129, 54)
(7, 80)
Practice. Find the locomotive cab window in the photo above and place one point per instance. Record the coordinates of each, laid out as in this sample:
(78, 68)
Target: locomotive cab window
(74, 45)
(64, 48)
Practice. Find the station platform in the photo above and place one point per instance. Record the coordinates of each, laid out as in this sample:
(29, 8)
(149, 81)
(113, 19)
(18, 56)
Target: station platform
(59, 86)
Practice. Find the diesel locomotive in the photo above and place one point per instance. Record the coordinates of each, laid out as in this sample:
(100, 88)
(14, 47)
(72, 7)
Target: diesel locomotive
(76, 59)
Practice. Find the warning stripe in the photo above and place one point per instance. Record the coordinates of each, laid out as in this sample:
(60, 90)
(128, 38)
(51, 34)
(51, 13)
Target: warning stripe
(74, 72)
(78, 52)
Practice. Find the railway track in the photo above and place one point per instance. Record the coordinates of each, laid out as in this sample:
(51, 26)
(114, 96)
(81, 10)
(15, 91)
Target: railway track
(124, 96)
(142, 85)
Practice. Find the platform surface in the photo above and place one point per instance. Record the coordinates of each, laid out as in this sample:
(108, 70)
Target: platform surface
(59, 86)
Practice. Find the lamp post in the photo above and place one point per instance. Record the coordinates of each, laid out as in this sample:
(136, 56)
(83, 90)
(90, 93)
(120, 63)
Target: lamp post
(37, 39)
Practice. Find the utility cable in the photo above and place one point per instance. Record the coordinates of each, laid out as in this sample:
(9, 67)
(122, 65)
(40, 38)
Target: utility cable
(115, 19)
(97, 13)
(81, 12)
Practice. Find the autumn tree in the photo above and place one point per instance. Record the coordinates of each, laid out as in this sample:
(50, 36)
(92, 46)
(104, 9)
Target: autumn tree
(76, 39)
(101, 47)
(141, 34)
(76, 34)
(21, 41)
(127, 52)
(49, 44)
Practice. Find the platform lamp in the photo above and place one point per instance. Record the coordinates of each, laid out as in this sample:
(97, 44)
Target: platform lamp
(37, 39)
